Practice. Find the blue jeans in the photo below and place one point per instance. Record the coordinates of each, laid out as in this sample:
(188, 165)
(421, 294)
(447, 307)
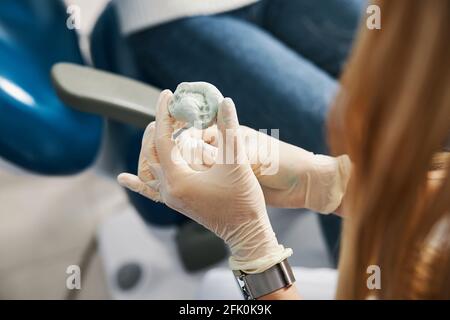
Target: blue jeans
(277, 59)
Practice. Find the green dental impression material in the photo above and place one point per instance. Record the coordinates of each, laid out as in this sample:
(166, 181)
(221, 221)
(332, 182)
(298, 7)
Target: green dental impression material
(196, 104)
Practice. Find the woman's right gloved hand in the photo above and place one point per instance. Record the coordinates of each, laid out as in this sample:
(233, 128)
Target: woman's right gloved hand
(290, 177)
(226, 198)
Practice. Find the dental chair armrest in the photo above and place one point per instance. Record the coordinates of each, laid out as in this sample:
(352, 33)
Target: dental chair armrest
(106, 94)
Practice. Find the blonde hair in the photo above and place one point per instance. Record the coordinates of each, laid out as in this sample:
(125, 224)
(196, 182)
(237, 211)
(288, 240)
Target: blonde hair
(392, 117)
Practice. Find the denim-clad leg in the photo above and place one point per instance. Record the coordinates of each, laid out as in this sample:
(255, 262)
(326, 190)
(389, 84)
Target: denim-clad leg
(272, 85)
(321, 31)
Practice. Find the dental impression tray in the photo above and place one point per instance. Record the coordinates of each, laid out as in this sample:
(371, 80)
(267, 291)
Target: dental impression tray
(126, 100)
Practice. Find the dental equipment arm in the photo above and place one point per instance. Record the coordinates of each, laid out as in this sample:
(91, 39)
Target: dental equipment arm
(106, 94)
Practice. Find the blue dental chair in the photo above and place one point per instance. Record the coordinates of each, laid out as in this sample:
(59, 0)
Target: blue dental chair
(37, 131)
(41, 134)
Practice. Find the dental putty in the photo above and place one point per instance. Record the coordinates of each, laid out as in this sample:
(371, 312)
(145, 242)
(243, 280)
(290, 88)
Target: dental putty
(196, 104)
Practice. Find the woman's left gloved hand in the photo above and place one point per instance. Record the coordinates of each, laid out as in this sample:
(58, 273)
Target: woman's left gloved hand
(290, 177)
(226, 198)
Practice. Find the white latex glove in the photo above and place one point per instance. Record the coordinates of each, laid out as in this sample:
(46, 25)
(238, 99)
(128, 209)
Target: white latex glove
(303, 180)
(291, 177)
(226, 198)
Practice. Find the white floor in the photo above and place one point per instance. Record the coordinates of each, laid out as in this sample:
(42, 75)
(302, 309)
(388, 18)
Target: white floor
(46, 224)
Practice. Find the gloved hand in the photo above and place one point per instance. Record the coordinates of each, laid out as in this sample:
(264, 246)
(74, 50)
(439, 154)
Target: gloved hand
(290, 177)
(226, 197)
(303, 180)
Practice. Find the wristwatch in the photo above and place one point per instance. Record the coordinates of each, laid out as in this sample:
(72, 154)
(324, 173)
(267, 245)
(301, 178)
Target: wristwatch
(255, 285)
